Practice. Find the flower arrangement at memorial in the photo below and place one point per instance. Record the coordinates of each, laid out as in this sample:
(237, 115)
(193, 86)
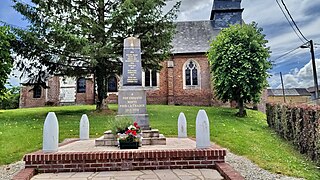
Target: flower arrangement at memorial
(131, 138)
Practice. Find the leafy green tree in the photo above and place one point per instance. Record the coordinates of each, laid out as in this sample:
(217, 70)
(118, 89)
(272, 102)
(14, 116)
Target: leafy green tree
(76, 38)
(239, 64)
(10, 98)
(5, 56)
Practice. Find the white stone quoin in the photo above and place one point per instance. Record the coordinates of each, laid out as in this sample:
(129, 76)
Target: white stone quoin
(182, 126)
(202, 130)
(50, 133)
(84, 127)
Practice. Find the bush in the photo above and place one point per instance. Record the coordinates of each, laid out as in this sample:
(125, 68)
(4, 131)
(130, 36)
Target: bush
(298, 124)
(10, 99)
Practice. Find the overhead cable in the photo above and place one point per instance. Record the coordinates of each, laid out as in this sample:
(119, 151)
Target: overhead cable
(285, 15)
(285, 6)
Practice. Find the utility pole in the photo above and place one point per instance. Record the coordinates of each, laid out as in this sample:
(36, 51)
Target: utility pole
(314, 67)
(284, 97)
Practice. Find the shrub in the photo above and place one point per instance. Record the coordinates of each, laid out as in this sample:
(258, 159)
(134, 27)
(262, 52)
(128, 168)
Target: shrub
(298, 124)
(10, 98)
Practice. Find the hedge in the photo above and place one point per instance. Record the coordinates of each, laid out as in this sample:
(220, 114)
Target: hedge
(298, 124)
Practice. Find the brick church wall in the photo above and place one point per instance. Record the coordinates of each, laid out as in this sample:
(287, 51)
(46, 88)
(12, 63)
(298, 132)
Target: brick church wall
(159, 95)
(53, 90)
(171, 89)
(88, 96)
(194, 96)
(27, 100)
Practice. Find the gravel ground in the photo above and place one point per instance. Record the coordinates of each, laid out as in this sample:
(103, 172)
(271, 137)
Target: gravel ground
(246, 168)
(8, 171)
(251, 171)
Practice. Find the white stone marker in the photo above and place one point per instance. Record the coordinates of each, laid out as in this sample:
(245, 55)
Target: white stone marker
(84, 127)
(50, 133)
(202, 130)
(182, 126)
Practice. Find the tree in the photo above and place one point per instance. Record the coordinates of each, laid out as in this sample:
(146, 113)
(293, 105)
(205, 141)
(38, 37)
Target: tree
(238, 60)
(10, 98)
(5, 56)
(76, 38)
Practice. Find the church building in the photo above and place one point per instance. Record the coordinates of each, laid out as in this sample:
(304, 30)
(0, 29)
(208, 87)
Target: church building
(183, 80)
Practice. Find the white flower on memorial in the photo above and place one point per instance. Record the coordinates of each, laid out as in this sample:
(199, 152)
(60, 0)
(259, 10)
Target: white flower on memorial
(131, 127)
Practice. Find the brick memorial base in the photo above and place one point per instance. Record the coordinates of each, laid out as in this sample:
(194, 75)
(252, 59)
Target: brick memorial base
(84, 156)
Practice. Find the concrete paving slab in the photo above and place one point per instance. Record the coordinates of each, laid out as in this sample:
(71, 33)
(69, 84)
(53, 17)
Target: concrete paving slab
(195, 172)
(89, 146)
(168, 174)
(181, 172)
(83, 175)
(149, 176)
(208, 174)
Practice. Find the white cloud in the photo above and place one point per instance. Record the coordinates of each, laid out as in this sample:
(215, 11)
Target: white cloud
(296, 78)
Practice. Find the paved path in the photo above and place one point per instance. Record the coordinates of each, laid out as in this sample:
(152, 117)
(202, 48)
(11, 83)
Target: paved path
(175, 174)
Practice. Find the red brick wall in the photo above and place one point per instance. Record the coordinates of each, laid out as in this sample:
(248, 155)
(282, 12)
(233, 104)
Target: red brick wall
(201, 96)
(27, 100)
(171, 84)
(88, 97)
(54, 90)
(160, 95)
(121, 160)
(170, 89)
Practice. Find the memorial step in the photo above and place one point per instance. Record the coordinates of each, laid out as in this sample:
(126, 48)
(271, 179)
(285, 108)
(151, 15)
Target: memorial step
(150, 137)
(150, 133)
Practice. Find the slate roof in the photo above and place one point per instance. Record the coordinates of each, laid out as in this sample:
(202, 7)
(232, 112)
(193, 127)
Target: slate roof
(194, 36)
(289, 92)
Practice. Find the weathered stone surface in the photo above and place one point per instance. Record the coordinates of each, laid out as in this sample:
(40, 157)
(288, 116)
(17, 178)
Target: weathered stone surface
(202, 130)
(132, 69)
(132, 101)
(50, 133)
(105, 142)
(182, 126)
(84, 127)
(132, 97)
(109, 135)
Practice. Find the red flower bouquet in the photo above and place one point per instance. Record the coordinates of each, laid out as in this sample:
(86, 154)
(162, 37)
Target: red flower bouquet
(130, 137)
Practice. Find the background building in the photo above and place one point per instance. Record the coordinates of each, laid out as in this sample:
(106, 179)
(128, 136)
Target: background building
(183, 80)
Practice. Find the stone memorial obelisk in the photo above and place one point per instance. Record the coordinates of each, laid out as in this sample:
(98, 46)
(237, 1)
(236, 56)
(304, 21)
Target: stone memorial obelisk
(132, 96)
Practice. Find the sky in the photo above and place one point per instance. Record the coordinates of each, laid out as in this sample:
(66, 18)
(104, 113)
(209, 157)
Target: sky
(295, 67)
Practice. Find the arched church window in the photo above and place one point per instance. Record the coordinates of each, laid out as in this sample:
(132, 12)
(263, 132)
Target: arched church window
(191, 74)
(112, 84)
(81, 85)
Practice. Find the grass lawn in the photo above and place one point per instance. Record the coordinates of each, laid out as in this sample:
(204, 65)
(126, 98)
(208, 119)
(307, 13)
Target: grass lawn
(21, 132)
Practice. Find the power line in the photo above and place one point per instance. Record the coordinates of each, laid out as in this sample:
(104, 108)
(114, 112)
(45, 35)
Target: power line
(293, 20)
(295, 31)
(285, 54)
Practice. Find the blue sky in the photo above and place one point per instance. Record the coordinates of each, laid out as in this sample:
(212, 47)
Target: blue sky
(295, 67)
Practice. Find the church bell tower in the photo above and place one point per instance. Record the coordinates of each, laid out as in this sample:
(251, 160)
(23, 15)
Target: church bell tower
(226, 12)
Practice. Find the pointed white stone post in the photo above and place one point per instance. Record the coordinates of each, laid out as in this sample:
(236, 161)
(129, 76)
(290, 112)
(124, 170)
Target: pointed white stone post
(50, 133)
(182, 126)
(202, 130)
(84, 127)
